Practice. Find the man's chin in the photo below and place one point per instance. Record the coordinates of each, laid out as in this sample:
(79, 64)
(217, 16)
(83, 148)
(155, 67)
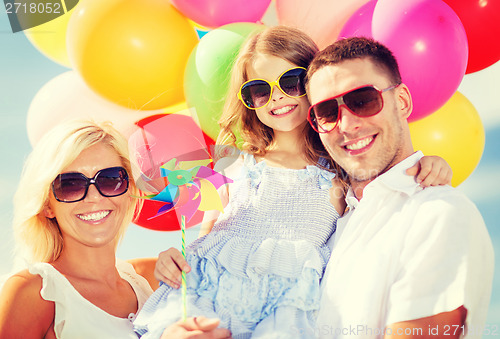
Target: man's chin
(362, 175)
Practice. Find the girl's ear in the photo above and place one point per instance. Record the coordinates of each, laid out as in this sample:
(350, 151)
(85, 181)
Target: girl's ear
(48, 212)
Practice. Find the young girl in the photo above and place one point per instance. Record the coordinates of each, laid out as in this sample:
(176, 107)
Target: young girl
(259, 265)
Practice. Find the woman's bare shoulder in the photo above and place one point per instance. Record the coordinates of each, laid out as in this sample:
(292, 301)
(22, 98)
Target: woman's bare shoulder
(22, 306)
(23, 282)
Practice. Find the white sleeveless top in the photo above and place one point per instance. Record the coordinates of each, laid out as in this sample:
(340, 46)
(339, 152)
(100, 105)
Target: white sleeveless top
(76, 317)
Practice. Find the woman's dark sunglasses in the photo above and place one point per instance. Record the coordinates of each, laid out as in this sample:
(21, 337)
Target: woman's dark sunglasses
(257, 93)
(73, 186)
(362, 101)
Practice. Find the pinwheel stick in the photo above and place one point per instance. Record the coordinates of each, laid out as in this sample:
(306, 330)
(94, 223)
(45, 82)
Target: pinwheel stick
(183, 235)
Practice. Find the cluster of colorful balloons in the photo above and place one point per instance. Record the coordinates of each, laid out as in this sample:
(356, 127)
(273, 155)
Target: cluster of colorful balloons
(436, 44)
(131, 64)
(135, 59)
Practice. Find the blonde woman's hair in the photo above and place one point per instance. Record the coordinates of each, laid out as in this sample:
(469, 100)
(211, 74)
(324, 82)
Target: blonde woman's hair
(38, 238)
(289, 44)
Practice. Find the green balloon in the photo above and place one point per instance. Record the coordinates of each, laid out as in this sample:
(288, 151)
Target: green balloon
(208, 70)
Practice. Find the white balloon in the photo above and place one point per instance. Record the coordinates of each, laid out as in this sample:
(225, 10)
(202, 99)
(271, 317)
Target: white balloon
(67, 97)
(321, 19)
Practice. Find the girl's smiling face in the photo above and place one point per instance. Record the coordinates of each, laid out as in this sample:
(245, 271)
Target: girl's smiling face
(282, 113)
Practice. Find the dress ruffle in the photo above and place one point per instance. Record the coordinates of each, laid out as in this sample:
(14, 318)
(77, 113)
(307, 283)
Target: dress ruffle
(264, 279)
(266, 256)
(51, 282)
(254, 170)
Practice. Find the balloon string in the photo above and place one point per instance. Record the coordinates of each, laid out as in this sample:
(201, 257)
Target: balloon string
(64, 6)
(183, 232)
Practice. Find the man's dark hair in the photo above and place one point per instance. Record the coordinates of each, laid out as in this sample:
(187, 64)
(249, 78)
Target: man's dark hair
(357, 48)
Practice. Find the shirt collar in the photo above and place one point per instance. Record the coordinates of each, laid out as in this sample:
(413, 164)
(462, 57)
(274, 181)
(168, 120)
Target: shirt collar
(395, 179)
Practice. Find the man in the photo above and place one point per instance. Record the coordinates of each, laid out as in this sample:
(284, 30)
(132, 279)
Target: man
(406, 262)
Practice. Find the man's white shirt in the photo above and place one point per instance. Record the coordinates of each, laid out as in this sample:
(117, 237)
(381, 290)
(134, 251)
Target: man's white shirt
(404, 253)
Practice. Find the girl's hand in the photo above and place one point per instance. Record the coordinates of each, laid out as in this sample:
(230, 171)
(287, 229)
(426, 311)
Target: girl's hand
(431, 171)
(169, 267)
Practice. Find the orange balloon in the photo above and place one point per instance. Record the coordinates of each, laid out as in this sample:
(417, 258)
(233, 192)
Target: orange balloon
(455, 133)
(131, 52)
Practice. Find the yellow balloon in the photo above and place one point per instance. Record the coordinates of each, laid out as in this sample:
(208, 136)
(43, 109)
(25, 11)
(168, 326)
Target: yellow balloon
(131, 52)
(455, 133)
(50, 38)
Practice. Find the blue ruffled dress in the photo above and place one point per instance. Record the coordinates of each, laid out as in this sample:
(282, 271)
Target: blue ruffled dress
(259, 268)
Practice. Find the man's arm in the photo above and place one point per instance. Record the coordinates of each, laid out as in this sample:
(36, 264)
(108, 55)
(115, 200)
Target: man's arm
(443, 325)
(446, 264)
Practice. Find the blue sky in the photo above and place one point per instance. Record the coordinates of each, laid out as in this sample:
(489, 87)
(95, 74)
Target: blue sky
(24, 70)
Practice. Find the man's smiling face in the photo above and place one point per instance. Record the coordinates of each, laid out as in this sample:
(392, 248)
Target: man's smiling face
(364, 147)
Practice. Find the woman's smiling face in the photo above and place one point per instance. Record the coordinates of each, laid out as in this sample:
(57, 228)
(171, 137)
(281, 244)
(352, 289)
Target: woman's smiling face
(96, 220)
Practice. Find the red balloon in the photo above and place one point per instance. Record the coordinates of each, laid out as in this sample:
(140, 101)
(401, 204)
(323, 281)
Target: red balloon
(160, 138)
(480, 19)
(166, 222)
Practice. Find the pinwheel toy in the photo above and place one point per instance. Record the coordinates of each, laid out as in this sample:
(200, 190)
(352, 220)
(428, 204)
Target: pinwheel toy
(191, 186)
(156, 140)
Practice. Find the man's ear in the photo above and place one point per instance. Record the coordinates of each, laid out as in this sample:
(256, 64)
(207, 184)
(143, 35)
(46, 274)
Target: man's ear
(48, 212)
(405, 104)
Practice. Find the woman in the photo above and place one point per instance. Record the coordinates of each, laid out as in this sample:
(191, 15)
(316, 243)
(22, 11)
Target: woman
(71, 209)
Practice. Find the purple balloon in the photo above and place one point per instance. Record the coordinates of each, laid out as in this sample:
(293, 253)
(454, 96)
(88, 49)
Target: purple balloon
(430, 44)
(360, 23)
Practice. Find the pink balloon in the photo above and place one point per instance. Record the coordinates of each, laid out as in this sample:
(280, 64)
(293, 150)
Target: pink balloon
(159, 140)
(215, 13)
(321, 19)
(430, 44)
(360, 23)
